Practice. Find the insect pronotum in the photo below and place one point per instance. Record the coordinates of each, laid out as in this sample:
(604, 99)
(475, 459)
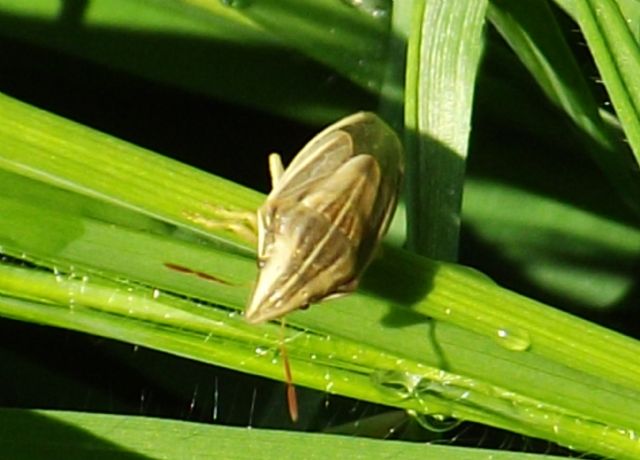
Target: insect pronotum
(319, 227)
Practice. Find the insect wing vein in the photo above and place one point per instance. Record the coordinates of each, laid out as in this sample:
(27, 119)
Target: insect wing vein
(347, 198)
(317, 160)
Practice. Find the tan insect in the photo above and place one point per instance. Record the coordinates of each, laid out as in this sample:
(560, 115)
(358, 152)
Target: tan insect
(320, 225)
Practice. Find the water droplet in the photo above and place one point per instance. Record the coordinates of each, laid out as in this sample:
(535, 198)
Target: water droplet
(438, 423)
(513, 339)
(260, 351)
(380, 13)
(399, 385)
(378, 9)
(236, 3)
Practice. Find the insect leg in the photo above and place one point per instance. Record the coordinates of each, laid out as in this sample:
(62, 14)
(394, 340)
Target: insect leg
(275, 168)
(212, 217)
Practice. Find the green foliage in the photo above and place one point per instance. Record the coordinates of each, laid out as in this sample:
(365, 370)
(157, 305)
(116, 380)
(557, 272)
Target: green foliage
(110, 239)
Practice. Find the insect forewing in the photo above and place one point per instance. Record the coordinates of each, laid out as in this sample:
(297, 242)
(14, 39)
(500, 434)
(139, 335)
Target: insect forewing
(327, 212)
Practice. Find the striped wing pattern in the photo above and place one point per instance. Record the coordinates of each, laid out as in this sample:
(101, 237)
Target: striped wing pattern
(322, 221)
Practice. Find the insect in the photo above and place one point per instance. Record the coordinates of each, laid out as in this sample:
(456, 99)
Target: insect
(321, 223)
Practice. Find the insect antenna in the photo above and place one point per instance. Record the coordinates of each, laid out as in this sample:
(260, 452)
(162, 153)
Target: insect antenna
(292, 398)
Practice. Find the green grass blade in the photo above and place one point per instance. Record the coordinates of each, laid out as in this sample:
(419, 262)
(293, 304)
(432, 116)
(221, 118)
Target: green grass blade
(556, 246)
(73, 435)
(350, 37)
(210, 49)
(444, 53)
(53, 156)
(533, 33)
(426, 337)
(618, 58)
